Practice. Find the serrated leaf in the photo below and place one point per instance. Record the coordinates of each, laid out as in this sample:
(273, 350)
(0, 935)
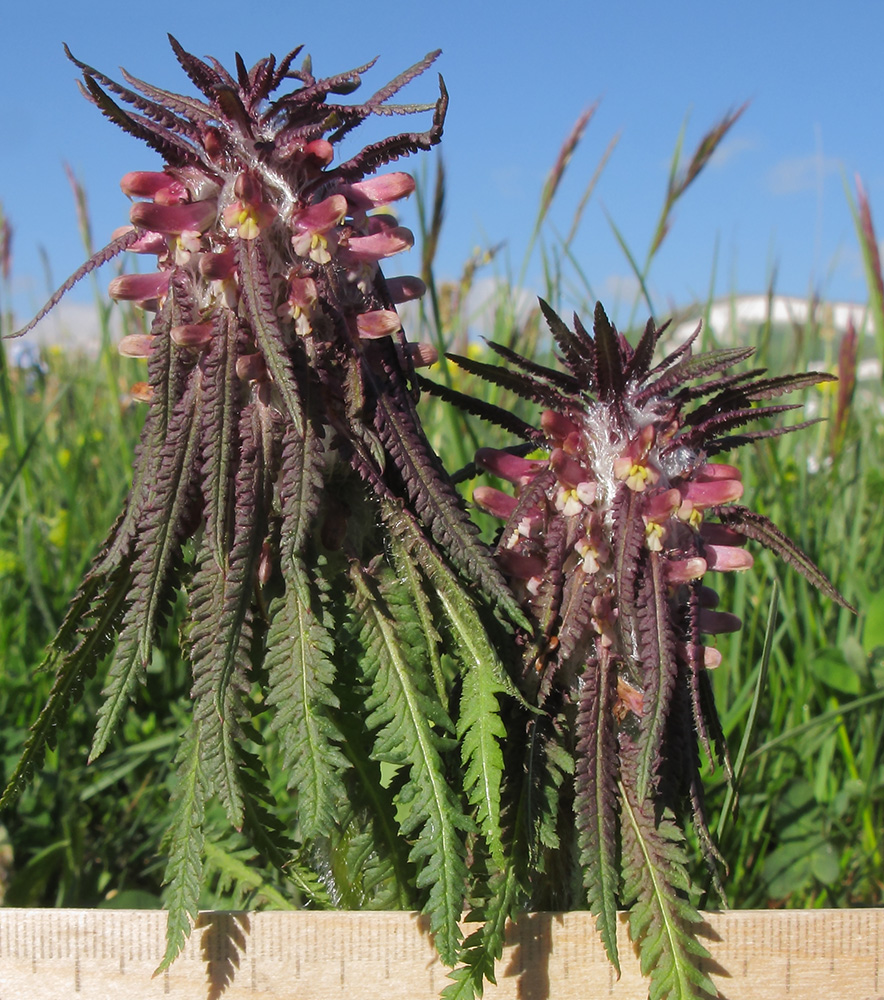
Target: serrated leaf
(484, 947)
(300, 647)
(596, 806)
(161, 528)
(407, 719)
(762, 529)
(221, 613)
(660, 672)
(95, 639)
(479, 725)
(259, 302)
(661, 918)
(185, 838)
(301, 674)
(441, 510)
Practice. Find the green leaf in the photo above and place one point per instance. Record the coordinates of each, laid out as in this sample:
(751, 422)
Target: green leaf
(184, 869)
(479, 725)
(102, 612)
(408, 720)
(233, 870)
(484, 947)
(300, 648)
(831, 668)
(301, 674)
(873, 629)
(655, 884)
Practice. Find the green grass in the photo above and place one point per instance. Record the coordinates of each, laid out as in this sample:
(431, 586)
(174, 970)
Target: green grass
(801, 694)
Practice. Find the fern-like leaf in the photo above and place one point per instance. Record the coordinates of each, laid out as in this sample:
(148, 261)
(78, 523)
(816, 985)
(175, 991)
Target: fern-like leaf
(441, 510)
(762, 529)
(484, 947)
(103, 611)
(300, 647)
(259, 302)
(184, 869)
(595, 803)
(480, 727)
(221, 612)
(660, 672)
(661, 918)
(409, 721)
(163, 527)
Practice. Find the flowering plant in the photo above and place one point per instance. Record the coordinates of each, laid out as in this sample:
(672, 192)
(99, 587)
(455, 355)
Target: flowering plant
(454, 723)
(283, 482)
(609, 534)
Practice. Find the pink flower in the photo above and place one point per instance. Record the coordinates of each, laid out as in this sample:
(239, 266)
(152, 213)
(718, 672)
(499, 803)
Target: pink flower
(136, 345)
(139, 287)
(313, 226)
(192, 335)
(377, 246)
(379, 190)
(379, 323)
(251, 214)
(502, 464)
(494, 502)
(174, 219)
(159, 187)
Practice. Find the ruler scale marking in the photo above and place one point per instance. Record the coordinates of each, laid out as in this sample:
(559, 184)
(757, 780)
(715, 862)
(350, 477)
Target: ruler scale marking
(755, 955)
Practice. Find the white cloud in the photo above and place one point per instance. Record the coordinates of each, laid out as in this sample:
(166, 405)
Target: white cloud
(801, 173)
(730, 148)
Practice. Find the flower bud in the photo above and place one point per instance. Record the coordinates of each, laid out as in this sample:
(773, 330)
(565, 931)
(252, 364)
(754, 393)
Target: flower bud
(377, 246)
(174, 219)
(557, 426)
(379, 190)
(218, 266)
(684, 570)
(422, 355)
(138, 287)
(158, 186)
(148, 243)
(251, 367)
(192, 334)
(405, 288)
(378, 323)
(727, 557)
(710, 493)
(567, 470)
(502, 464)
(136, 345)
(494, 502)
(718, 622)
(141, 392)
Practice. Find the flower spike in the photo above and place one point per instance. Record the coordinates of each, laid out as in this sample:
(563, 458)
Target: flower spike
(282, 479)
(608, 542)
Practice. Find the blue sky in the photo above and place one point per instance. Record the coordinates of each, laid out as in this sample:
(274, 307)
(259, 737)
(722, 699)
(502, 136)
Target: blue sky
(519, 75)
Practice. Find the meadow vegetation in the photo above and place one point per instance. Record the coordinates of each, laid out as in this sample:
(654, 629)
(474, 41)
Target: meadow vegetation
(800, 690)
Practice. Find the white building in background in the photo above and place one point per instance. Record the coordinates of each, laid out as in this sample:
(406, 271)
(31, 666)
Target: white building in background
(730, 318)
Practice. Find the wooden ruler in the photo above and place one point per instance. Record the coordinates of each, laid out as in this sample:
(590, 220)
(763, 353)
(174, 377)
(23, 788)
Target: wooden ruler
(106, 954)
